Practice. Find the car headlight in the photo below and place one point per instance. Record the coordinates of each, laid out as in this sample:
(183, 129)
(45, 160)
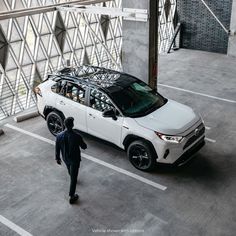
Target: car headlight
(170, 138)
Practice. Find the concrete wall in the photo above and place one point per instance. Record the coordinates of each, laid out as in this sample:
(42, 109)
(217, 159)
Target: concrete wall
(232, 37)
(139, 50)
(136, 43)
(200, 29)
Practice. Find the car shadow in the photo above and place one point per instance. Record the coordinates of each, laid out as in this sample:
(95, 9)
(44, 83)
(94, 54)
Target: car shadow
(201, 166)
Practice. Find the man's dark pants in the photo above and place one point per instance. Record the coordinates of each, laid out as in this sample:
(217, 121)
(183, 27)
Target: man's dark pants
(73, 170)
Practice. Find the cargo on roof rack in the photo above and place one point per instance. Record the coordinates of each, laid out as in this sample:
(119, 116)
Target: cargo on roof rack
(98, 76)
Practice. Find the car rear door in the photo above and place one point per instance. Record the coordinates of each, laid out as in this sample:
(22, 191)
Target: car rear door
(105, 128)
(72, 103)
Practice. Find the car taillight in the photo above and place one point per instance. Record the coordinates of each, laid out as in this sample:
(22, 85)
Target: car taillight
(38, 91)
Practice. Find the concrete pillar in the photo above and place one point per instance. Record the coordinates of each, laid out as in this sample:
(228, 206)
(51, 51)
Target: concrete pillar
(140, 46)
(232, 37)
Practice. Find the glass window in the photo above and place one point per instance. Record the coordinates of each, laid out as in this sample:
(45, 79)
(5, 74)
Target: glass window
(72, 91)
(137, 99)
(100, 101)
(59, 87)
(75, 92)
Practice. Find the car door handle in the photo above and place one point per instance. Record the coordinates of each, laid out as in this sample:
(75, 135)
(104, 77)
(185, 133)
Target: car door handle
(91, 115)
(62, 103)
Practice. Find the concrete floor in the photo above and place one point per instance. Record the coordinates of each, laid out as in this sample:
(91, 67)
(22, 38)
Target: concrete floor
(200, 196)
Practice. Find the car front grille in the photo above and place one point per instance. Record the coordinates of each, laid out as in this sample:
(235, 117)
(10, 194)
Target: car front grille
(194, 135)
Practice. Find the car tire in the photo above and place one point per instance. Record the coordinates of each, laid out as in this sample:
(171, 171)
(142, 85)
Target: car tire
(55, 123)
(141, 155)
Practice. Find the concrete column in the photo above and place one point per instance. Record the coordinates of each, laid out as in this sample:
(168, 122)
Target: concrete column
(140, 46)
(232, 37)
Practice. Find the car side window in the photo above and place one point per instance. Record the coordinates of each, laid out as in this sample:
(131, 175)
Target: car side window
(100, 101)
(59, 87)
(75, 92)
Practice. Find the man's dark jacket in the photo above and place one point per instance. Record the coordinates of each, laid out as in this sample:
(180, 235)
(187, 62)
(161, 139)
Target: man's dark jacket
(68, 143)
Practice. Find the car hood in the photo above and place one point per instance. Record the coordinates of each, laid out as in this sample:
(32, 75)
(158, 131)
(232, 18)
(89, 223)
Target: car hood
(173, 118)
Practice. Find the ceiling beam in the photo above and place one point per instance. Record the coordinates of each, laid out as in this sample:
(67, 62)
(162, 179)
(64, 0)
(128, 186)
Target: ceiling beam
(43, 9)
(126, 13)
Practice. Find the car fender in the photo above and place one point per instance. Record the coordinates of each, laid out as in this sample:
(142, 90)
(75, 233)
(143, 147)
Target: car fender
(49, 109)
(132, 137)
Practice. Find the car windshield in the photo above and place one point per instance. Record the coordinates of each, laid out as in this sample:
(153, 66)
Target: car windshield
(137, 99)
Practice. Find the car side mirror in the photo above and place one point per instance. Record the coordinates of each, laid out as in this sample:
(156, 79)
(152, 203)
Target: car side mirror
(110, 113)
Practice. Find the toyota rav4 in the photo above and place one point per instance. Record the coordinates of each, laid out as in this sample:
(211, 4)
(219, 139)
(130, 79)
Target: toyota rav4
(123, 110)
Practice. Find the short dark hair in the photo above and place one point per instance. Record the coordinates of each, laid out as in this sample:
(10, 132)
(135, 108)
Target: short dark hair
(69, 123)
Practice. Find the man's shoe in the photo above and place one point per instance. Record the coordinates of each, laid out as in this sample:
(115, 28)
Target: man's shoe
(74, 199)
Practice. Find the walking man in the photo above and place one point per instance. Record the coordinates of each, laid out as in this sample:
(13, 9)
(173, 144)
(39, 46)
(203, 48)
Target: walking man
(68, 143)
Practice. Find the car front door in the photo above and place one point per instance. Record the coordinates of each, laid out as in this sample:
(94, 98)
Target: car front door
(72, 103)
(105, 128)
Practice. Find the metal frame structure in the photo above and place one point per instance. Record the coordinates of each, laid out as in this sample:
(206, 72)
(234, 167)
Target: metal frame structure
(167, 11)
(125, 13)
(29, 11)
(40, 43)
(37, 39)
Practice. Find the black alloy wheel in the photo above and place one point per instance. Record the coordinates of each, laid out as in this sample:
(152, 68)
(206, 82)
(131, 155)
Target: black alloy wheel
(55, 123)
(141, 156)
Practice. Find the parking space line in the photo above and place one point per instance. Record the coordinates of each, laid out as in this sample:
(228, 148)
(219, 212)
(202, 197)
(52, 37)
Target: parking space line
(125, 172)
(201, 94)
(14, 227)
(210, 140)
(207, 128)
(30, 134)
(100, 162)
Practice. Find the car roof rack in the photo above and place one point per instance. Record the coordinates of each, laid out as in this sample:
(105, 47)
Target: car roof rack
(99, 76)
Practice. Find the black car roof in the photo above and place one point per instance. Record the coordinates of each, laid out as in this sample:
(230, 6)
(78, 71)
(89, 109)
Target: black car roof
(103, 78)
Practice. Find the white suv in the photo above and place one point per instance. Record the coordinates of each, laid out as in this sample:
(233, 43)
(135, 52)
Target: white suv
(123, 110)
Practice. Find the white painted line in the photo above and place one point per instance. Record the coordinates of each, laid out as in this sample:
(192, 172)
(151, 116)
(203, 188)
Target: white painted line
(208, 128)
(100, 162)
(202, 94)
(30, 134)
(14, 227)
(210, 140)
(125, 172)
